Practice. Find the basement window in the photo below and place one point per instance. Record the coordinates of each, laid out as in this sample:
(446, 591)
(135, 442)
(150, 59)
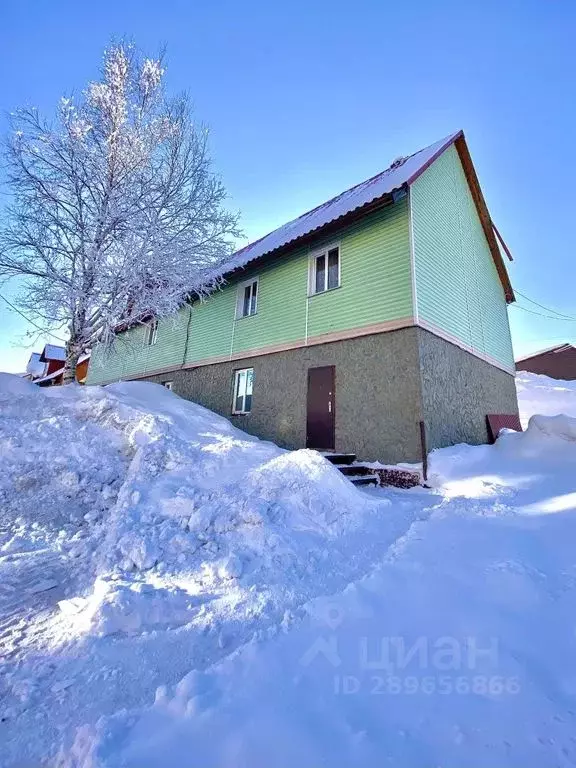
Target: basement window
(168, 385)
(325, 270)
(247, 302)
(243, 381)
(152, 333)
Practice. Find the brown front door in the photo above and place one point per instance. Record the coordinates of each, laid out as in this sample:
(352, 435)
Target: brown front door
(320, 418)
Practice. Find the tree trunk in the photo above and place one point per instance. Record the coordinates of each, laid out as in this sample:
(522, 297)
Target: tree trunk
(73, 351)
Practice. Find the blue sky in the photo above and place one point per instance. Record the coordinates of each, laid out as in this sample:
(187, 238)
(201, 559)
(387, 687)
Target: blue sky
(305, 99)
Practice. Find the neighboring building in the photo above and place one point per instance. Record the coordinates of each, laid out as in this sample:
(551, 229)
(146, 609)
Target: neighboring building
(35, 368)
(53, 358)
(557, 362)
(82, 368)
(344, 329)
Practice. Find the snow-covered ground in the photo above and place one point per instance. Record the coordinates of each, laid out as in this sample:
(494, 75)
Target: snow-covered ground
(543, 395)
(174, 591)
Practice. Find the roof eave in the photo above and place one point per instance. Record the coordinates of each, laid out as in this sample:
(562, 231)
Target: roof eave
(547, 351)
(459, 140)
(325, 230)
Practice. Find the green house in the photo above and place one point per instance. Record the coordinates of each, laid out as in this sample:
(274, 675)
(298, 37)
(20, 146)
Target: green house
(346, 328)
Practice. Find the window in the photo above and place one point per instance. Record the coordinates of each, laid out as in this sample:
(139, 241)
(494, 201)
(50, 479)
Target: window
(168, 384)
(243, 381)
(325, 270)
(247, 303)
(152, 333)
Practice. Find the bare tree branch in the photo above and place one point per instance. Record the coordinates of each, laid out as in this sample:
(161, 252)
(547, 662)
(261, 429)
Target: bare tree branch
(116, 213)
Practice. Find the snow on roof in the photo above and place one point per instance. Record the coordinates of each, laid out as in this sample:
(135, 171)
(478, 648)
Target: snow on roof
(35, 367)
(53, 375)
(85, 356)
(548, 350)
(53, 352)
(402, 171)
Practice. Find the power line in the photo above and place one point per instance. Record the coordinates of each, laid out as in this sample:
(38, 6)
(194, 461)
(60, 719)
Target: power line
(548, 309)
(549, 317)
(30, 321)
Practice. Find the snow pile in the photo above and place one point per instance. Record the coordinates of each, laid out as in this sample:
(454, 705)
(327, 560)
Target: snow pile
(128, 607)
(203, 495)
(542, 395)
(131, 478)
(59, 467)
(547, 448)
(560, 427)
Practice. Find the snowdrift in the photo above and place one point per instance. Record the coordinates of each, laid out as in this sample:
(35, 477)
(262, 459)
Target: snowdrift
(171, 586)
(131, 478)
(545, 396)
(456, 650)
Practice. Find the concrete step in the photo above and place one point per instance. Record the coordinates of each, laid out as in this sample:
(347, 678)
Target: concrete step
(354, 469)
(363, 479)
(339, 458)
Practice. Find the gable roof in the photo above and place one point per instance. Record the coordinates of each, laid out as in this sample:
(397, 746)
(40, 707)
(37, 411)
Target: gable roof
(35, 367)
(548, 351)
(52, 352)
(362, 198)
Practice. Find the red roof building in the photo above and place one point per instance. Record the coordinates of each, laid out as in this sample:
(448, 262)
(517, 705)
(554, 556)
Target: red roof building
(557, 362)
(54, 357)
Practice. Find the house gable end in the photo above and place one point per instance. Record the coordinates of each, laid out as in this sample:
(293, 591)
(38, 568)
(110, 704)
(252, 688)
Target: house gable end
(459, 288)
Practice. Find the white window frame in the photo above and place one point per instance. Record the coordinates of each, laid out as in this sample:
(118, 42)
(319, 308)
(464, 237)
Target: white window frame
(168, 385)
(240, 298)
(237, 375)
(152, 333)
(312, 269)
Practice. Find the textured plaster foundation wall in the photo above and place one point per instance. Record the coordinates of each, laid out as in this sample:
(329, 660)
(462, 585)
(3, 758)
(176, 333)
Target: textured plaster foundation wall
(458, 390)
(378, 398)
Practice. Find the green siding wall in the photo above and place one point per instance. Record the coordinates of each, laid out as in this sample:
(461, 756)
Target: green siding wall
(210, 326)
(457, 285)
(131, 355)
(281, 315)
(376, 283)
(376, 287)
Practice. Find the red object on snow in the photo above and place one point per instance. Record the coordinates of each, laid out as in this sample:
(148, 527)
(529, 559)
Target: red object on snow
(498, 421)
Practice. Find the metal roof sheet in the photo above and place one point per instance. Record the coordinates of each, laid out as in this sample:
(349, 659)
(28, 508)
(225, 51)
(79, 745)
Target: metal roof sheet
(548, 350)
(50, 376)
(53, 352)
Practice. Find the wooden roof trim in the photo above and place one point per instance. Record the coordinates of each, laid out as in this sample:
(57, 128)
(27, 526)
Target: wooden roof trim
(502, 243)
(483, 213)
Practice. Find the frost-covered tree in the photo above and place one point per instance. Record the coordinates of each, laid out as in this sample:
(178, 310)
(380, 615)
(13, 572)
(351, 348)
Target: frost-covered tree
(116, 213)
